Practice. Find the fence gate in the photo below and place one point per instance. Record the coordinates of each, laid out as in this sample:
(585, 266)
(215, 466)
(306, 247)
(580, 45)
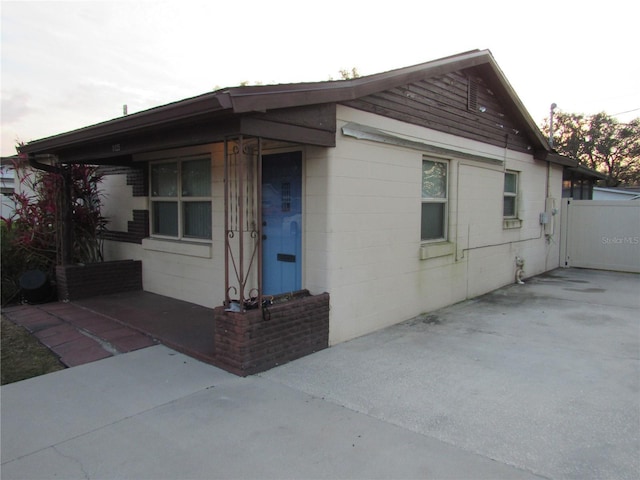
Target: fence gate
(603, 235)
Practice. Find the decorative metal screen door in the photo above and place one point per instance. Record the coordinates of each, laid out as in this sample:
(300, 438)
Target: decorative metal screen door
(242, 220)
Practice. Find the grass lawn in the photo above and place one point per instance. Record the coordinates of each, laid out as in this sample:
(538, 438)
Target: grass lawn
(23, 356)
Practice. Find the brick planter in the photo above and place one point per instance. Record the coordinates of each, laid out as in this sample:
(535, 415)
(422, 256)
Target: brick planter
(82, 281)
(257, 340)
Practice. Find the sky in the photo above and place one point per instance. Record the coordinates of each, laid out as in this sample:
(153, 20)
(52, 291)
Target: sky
(66, 65)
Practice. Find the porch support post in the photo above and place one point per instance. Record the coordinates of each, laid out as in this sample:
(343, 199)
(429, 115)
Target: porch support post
(227, 299)
(240, 201)
(66, 244)
(260, 225)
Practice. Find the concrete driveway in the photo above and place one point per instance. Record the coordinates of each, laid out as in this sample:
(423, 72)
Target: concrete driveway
(540, 380)
(543, 376)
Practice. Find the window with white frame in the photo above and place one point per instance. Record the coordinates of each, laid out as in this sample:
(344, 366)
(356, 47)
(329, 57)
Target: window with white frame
(510, 205)
(434, 200)
(181, 198)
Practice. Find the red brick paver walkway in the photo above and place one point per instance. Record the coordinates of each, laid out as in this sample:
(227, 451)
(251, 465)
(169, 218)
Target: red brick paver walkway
(75, 334)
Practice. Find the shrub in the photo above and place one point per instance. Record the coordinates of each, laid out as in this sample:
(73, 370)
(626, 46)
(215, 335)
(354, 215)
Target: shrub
(31, 238)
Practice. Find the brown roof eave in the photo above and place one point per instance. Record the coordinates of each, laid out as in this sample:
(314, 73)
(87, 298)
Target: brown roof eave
(173, 112)
(552, 157)
(587, 172)
(263, 98)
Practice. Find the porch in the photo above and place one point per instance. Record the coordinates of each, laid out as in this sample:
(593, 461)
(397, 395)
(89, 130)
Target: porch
(85, 330)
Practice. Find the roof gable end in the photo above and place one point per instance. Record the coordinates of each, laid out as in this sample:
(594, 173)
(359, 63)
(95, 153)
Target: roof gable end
(502, 120)
(459, 102)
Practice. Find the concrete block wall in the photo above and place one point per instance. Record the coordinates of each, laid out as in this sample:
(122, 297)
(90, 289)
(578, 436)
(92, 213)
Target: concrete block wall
(372, 241)
(192, 271)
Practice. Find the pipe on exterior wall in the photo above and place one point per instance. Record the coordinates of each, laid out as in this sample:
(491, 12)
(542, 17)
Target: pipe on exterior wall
(457, 208)
(519, 270)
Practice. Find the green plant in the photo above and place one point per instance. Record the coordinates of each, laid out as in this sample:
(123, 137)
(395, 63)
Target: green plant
(11, 264)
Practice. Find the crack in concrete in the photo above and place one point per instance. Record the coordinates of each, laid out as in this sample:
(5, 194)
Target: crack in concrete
(74, 460)
(103, 343)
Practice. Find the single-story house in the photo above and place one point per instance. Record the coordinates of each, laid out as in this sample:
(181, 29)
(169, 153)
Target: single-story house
(392, 194)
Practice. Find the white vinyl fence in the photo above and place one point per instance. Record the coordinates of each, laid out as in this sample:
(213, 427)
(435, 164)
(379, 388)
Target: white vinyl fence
(603, 235)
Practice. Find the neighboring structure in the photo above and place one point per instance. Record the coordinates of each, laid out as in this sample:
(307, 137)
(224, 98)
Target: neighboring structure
(396, 193)
(602, 193)
(578, 182)
(7, 186)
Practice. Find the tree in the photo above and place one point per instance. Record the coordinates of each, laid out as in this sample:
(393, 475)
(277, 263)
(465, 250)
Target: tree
(601, 143)
(349, 74)
(346, 74)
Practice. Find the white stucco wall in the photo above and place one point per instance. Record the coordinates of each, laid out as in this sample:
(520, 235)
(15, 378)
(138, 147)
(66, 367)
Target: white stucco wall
(371, 209)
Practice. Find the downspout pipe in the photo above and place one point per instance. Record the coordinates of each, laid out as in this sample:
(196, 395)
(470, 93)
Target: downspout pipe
(66, 243)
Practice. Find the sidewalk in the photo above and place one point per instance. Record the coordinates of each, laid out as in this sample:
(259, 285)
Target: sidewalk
(157, 414)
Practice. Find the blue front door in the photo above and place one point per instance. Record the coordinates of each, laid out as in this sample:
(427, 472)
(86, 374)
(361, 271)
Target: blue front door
(281, 223)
